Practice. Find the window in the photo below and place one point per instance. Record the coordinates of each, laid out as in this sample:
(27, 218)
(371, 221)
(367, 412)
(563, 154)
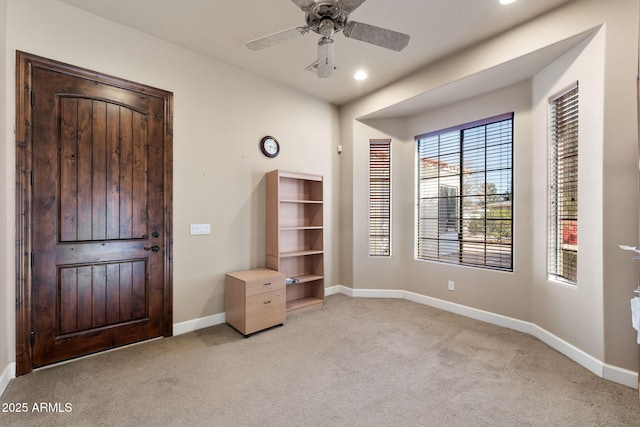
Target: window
(465, 189)
(563, 185)
(380, 197)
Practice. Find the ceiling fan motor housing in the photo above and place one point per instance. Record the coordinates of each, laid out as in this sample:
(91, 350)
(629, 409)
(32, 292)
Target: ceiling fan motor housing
(326, 18)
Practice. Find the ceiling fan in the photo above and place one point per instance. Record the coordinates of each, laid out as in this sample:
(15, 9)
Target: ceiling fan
(328, 17)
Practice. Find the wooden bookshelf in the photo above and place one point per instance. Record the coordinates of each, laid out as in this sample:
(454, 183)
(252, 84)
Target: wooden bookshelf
(295, 235)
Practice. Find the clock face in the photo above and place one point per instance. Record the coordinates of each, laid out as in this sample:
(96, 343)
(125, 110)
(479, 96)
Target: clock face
(269, 146)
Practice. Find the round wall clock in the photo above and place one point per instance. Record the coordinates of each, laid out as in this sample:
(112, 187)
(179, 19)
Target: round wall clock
(269, 146)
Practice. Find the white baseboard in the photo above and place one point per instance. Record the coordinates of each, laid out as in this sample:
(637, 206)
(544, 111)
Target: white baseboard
(474, 313)
(338, 289)
(572, 352)
(200, 323)
(217, 319)
(8, 374)
(608, 372)
(620, 376)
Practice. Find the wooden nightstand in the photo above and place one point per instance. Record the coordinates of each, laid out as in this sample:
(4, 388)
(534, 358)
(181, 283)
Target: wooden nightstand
(254, 300)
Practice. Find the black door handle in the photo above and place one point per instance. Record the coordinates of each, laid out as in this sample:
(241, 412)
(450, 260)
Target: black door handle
(154, 248)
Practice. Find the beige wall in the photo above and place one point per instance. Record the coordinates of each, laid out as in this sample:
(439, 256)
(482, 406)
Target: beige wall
(575, 313)
(220, 114)
(595, 317)
(480, 288)
(379, 272)
(620, 207)
(6, 206)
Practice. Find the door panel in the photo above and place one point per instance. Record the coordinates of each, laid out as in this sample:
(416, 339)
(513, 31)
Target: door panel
(101, 295)
(98, 230)
(90, 130)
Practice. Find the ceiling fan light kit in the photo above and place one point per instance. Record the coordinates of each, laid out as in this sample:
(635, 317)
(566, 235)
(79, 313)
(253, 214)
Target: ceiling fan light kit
(326, 18)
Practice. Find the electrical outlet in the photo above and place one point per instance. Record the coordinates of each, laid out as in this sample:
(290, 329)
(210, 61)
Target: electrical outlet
(451, 285)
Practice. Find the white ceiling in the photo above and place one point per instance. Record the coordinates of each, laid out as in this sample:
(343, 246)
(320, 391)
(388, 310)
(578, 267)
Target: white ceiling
(219, 28)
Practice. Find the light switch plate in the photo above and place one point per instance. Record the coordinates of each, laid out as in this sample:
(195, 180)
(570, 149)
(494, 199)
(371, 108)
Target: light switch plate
(197, 229)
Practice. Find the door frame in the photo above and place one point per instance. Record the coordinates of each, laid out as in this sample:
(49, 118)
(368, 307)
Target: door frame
(24, 197)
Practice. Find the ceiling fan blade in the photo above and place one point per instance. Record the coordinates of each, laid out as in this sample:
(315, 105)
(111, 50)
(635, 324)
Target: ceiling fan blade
(351, 5)
(275, 38)
(305, 5)
(375, 35)
(326, 57)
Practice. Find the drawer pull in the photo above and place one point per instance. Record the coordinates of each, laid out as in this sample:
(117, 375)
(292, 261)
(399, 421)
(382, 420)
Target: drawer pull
(267, 284)
(267, 302)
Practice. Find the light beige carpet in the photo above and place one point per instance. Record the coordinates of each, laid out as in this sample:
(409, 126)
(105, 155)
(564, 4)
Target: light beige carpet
(356, 362)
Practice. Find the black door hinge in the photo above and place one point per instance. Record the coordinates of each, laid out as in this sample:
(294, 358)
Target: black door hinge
(33, 259)
(32, 338)
(31, 178)
(33, 98)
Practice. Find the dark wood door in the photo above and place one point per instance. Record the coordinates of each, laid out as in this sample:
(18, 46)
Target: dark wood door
(98, 216)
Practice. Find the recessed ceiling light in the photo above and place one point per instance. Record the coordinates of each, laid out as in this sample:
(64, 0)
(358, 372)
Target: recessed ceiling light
(507, 1)
(360, 75)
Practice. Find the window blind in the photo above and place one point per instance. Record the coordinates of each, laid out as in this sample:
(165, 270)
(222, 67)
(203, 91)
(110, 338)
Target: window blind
(563, 186)
(465, 194)
(380, 197)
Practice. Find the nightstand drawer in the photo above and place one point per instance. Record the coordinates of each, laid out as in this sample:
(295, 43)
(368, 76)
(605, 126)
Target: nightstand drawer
(265, 310)
(269, 283)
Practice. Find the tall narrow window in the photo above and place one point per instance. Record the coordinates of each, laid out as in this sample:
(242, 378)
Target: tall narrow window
(465, 194)
(563, 186)
(380, 197)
